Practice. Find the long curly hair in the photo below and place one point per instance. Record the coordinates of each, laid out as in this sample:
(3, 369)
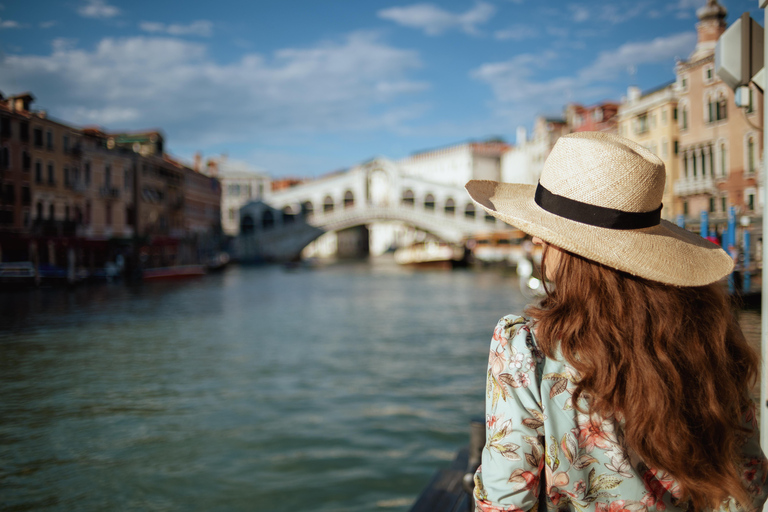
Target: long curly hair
(671, 361)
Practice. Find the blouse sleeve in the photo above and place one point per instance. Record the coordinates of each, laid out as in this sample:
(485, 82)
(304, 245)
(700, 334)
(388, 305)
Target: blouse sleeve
(513, 457)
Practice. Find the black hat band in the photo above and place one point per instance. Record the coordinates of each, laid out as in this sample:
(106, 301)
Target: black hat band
(599, 216)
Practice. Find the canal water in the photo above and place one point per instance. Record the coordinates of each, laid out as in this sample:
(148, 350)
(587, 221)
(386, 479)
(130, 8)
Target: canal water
(340, 388)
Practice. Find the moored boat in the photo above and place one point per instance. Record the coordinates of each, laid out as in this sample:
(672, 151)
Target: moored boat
(175, 272)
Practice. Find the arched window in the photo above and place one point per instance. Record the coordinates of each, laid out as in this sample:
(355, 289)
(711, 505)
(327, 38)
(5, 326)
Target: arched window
(349, 199)
(490, 219)
(39, 209)
(268, 219)
(685, 164)
(328, 204)
(408, 199)
(469, 211)
(307, 210)
(450, 207)
(751, 154)
(51, 211)
(722, 107)
(429, 202)
(247, 225)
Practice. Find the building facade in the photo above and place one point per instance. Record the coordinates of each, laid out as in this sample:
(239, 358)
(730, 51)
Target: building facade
(720, 148)
(651, 120)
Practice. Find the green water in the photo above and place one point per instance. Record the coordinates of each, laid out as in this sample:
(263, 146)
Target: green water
(334, 389)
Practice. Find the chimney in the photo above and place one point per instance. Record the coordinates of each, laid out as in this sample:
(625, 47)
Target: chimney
(197, 160)
(633, 93)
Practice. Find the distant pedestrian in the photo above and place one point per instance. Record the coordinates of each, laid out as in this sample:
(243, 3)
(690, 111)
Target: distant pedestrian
(627, 387)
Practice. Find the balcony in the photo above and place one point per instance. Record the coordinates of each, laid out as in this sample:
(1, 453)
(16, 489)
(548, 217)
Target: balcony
(693, 186)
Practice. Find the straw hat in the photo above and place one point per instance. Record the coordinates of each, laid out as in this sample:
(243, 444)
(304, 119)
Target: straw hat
(599, 196)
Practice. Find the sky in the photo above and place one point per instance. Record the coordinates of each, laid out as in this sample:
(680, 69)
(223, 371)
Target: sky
(301, 88)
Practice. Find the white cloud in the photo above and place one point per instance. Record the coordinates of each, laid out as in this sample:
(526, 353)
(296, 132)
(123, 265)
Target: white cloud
(201, 28)
(98, 9)
(48, 24)
(516, 84)
(662, 49)
(579, 13)
(518, 32)
(142, 82)
(10, 24)
(435, 20)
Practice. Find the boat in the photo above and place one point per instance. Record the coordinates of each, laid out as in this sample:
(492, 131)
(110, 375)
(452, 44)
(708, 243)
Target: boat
(499, 248)
(172, 273)
(431, 254)
(17, 274)
(217, 262)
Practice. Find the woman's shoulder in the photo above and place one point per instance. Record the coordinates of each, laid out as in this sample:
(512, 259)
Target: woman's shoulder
(517, 332)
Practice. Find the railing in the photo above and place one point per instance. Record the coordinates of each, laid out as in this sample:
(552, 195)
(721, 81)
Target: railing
(697, 185)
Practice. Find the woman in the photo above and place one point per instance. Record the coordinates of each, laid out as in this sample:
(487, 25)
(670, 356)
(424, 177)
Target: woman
(627, 387)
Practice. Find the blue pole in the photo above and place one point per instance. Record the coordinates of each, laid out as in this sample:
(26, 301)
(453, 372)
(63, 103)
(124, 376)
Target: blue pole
(731, 244)
(680, 221)
(704, 228)
(747, 277)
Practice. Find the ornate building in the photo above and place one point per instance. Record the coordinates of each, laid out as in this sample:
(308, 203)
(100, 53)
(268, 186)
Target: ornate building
(720, 144)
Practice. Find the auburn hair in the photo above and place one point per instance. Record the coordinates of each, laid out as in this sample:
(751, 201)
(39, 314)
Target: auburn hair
(672, 362)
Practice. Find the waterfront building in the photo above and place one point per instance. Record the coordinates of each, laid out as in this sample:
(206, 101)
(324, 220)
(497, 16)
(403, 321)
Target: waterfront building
(651, 120)
(595, 118)
(720, 148)
(524, 161)
(104, 187)
(240, 184)
(455, 165)
(15, 164)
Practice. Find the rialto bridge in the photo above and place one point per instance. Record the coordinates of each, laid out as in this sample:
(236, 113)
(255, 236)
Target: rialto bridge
(286, 221)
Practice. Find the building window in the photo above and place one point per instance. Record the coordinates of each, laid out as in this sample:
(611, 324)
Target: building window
(5, 158)
(24, 131)
(66, 176)
(450, 206)
(87, 173)
(51, 211)
(408, 198)
(664, 117)
(664, 149)
(327, 204)
(49, 139)
(674, 113)
(38, 172)
(693, 163)
(232, 213)
(751, 154)
(39, 210)
(349, 199)
(724, 204)
(711, 205)
(751, 202)
(677, 147)
(469, 211)
(37, 135)
(108, 176)
(685, 164)
(751, 106)
(5, 127)
(684, 125)
(685, 207)
(641, 125)
(26, 161)
(429, 202)
(722, 108)
(65, 143)
(51, 174)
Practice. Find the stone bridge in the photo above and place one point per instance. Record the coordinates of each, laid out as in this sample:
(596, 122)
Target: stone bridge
(286, 221)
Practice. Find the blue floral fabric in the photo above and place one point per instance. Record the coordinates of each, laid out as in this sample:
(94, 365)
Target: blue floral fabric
(533, 430)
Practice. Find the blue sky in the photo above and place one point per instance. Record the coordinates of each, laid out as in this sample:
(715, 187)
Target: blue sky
(306, 87)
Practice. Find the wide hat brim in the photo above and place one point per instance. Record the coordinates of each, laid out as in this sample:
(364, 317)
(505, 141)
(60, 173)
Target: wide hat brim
(665, 253)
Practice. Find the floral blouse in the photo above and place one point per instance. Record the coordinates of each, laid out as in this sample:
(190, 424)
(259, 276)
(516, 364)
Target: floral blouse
(533, 428)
